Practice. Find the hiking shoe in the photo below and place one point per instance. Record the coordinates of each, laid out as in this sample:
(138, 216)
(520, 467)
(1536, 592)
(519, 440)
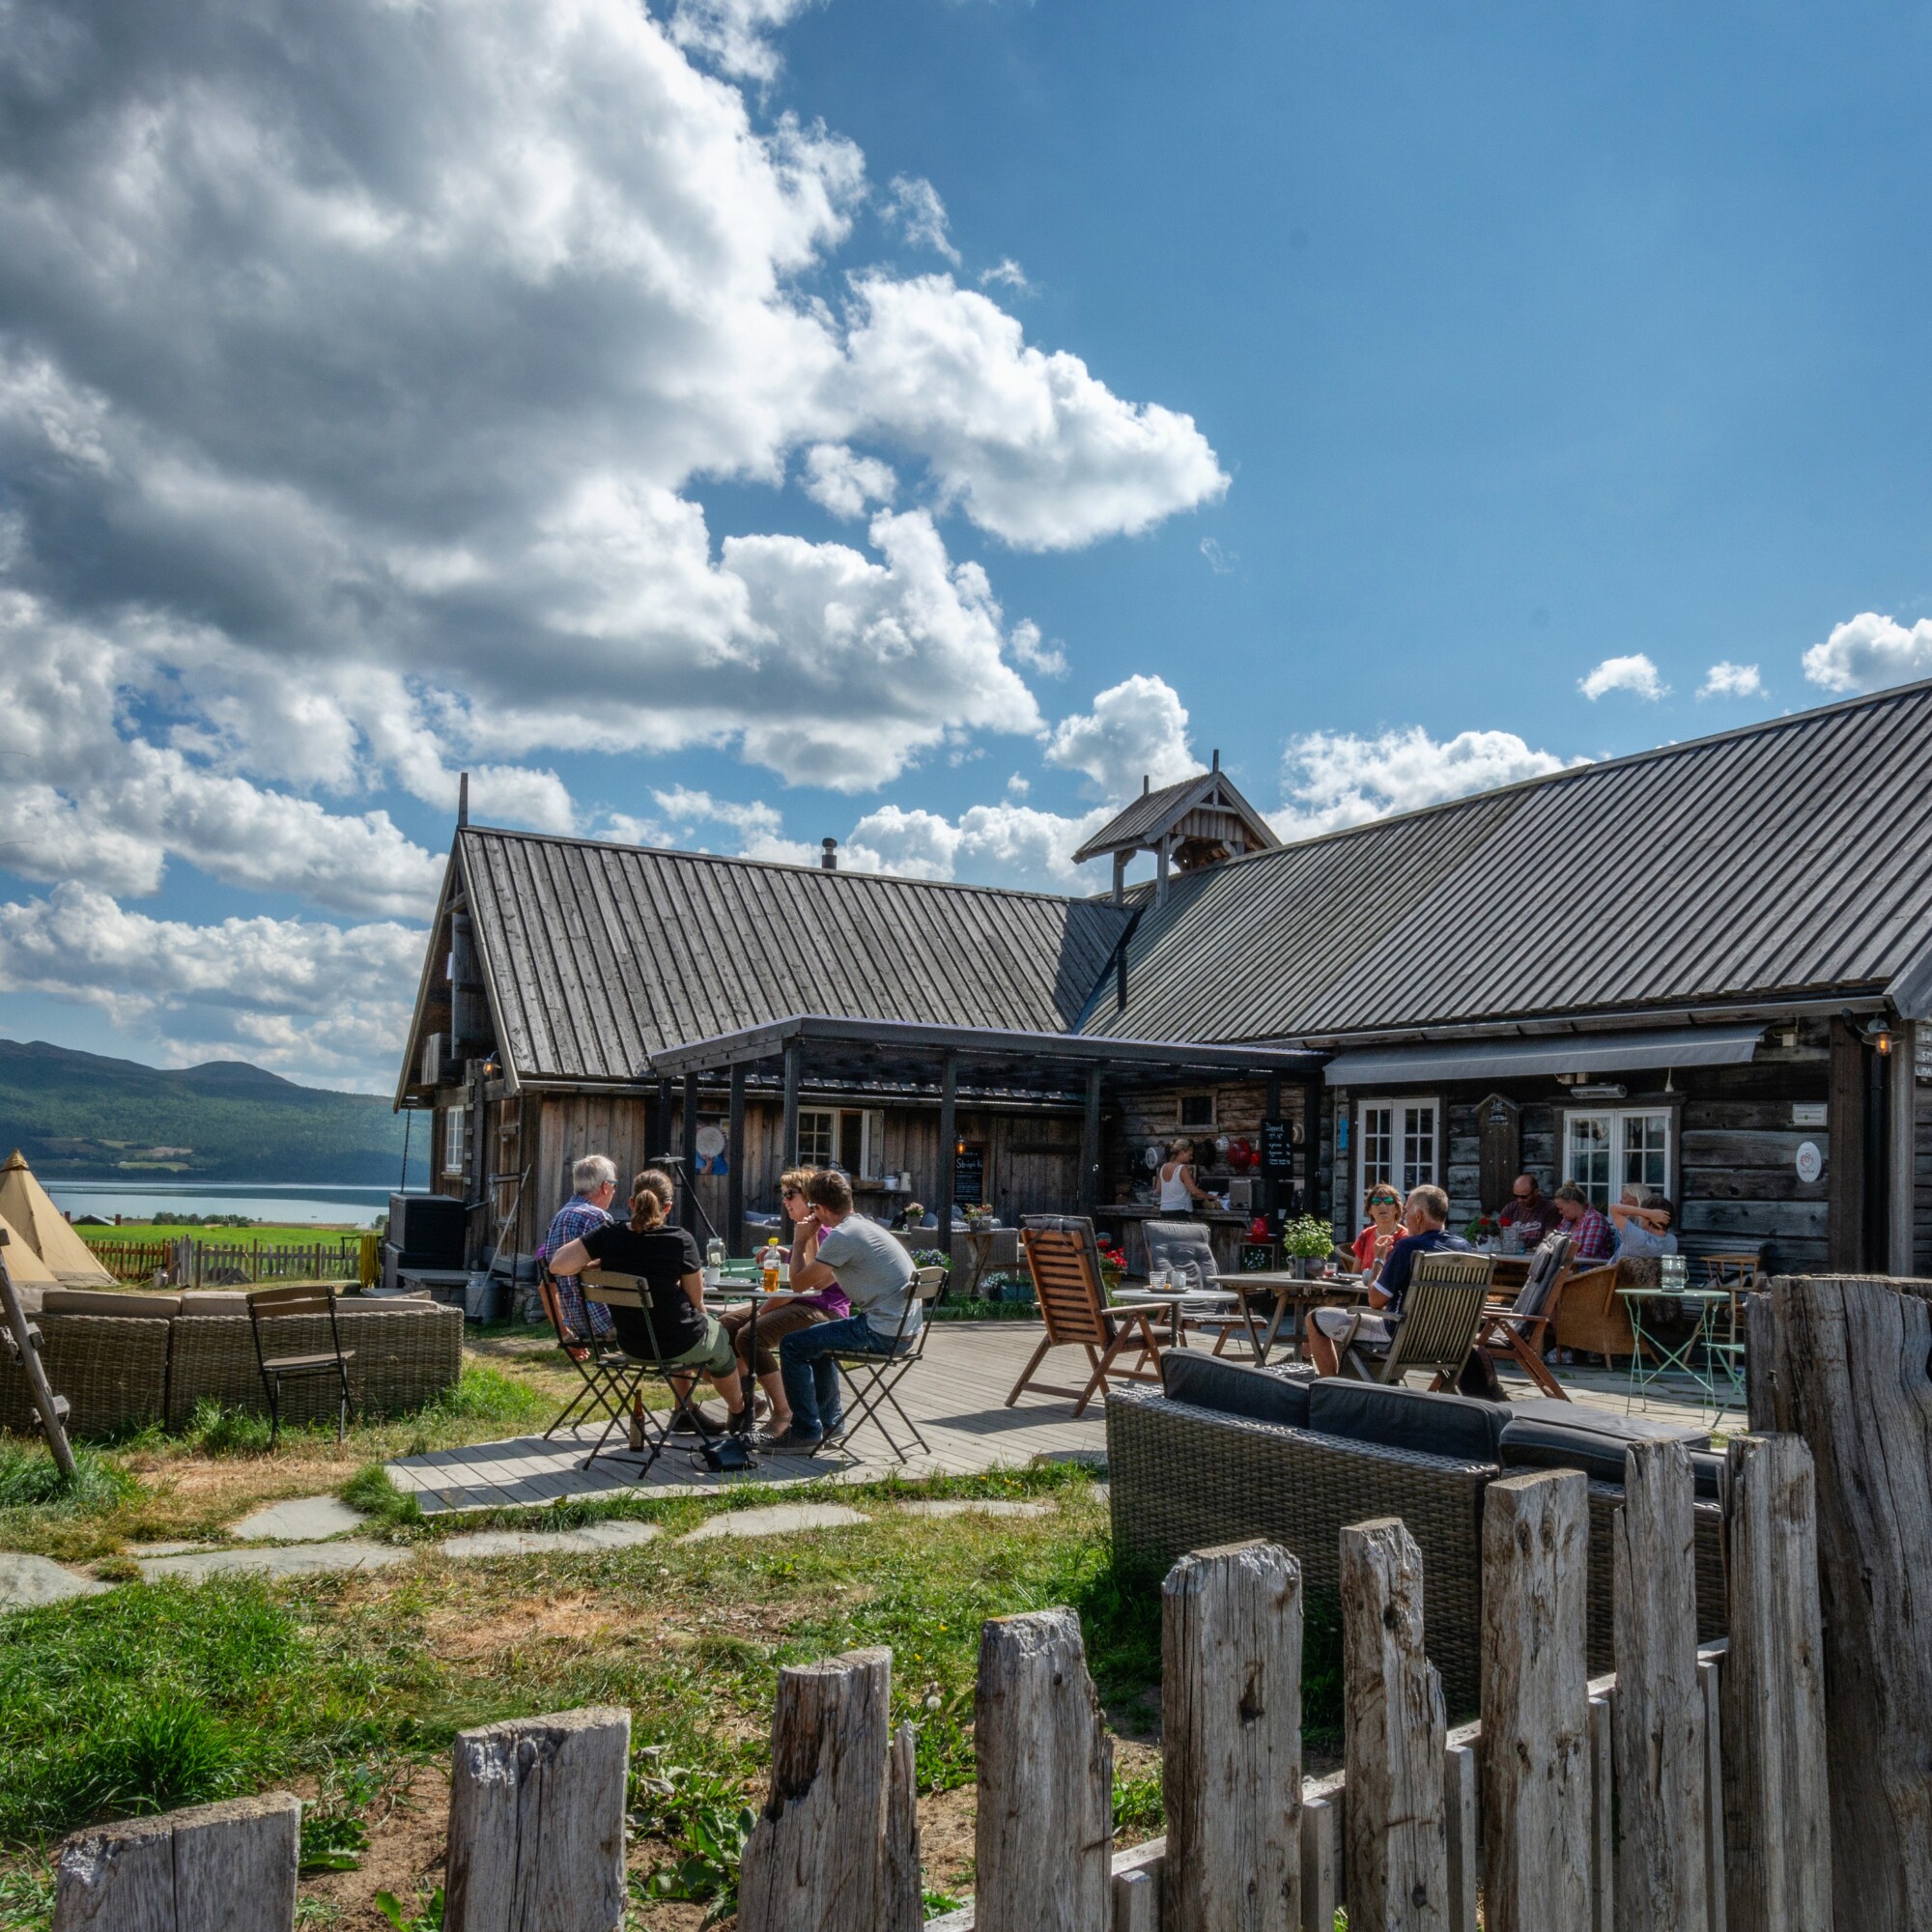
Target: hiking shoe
(794, 1442)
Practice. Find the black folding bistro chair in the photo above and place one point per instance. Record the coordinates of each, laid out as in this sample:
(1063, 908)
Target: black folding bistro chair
(637, 1358)
(601, 1369)
(300, 1297)
(875, 1375)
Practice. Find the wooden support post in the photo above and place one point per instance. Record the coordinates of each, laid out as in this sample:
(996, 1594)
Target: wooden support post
(1136, 1901)
(1461, 1798)
(1311, 1150)
(902, 1899)
(1710, 1687)
(1902, 1145)
(1046, 1781)
(226, 1867)
(949, 1140)
(1777, 1812)
(1231, 1732)
(1395, 1731)
(1843, 1363)
(1535, 1702)
(1090, 1144)
(50, 1408)
(687, 1173)
(536, 1823)
(1660, 1717)
(794, 1068)
(734, 1154)
(660, 1137)
(815, 1859)
(1604, 1810)
(1845, 1176)
(1320, 1861)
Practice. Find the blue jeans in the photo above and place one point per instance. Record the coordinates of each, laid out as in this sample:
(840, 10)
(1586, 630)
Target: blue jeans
(812, 1377)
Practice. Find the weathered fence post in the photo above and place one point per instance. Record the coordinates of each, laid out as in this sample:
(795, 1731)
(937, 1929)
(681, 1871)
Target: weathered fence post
(536, 1823)
(1230, 1740)
(1844, 1363)
(1778, 1811)
(213, 1869)
(1462, 1794)
(1395, 1731)
(1320, 1861)
(815, 1860)
(902, 1904)
(1044, 1827)
(1659, 1720)
(1602, 1806)
(1535, 1701)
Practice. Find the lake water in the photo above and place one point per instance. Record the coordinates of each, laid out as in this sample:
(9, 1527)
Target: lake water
(267, 1201)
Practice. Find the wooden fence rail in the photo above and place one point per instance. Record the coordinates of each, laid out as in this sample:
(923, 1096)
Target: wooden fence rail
(1525, 1797)
(184, 1261)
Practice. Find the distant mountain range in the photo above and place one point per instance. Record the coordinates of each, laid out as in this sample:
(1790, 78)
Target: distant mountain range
(82, 1116)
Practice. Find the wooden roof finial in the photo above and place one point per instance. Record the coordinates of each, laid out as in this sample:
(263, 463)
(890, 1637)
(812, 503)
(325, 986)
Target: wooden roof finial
(463, 800)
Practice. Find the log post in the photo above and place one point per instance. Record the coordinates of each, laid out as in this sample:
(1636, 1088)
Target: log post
(1778, 1817)
(1535, 1703)
(815, 1860)
(536, 1823)
(1843, 1362)
(1659, 1720)
(1320, 1861)
(226, 1867)
(1461, 1795)
(1602, 1808)
(902, 1905)
(1395, 1732)
(1231, 1734)
(1046, 1781)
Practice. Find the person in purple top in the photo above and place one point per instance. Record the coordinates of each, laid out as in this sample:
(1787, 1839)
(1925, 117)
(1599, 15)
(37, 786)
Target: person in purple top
(786, 1315)
(595, 1179)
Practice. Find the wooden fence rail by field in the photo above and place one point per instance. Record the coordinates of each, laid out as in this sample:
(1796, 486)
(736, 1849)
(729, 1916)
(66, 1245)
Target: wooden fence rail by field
(1693, 1791)
(184, 1262)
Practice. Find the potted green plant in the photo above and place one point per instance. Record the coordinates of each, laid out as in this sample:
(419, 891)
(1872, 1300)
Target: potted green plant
(1307, 1241)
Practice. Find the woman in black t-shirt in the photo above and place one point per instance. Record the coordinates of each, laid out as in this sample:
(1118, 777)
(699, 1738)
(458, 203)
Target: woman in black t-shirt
(679, 1332)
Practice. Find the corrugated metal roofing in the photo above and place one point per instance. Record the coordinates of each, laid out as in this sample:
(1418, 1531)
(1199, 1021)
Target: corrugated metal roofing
(1789, 859)
(599, 956)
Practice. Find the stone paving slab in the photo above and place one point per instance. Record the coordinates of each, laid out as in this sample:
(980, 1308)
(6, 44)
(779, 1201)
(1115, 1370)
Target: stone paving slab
(778, 1519)
(139, 1550)
(989, 1507)
(26, 1581)
(299, 1520)
(484, 1543)
(298, 1559)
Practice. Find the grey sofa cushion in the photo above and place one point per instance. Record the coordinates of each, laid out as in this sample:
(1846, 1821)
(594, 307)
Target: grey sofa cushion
(1407, 1418)
(1551, 1435)
(1208, 1382)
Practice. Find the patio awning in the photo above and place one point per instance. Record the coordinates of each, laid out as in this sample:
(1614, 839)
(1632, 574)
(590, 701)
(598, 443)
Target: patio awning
(1562, 1053)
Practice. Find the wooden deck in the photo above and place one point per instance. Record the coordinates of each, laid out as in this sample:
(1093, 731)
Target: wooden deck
(957, 1396)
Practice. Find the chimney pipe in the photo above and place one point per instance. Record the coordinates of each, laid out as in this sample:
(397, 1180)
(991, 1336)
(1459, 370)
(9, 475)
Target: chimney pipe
(1217, 760)
(1146, 783)
(463, 800)
(828, 856)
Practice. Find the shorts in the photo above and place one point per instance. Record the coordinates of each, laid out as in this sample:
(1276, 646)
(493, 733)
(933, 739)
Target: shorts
(712, 1356)
(1372, 1331)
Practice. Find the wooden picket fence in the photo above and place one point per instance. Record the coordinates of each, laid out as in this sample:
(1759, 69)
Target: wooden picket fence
(1693, 1790)
(186, 1262)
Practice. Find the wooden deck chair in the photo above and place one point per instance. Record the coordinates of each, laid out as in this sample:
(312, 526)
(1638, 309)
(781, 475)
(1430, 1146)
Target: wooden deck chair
(637, 1358)
(1437, 1328)
(874, 1377)
(301, 1298)
(1521, 1329)
(1063, 1259)
(601, 1372)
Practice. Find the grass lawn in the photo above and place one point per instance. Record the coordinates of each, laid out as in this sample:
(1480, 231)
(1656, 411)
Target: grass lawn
(348, 1689)
(294, 1234)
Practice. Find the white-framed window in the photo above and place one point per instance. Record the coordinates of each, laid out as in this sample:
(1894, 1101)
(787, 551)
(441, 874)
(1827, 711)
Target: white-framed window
(1608, 1149)
(1397, 1140)
(454, 1123)
(851, 1138)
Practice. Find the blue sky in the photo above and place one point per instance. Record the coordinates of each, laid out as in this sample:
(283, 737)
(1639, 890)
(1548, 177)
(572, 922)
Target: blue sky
(529, 407)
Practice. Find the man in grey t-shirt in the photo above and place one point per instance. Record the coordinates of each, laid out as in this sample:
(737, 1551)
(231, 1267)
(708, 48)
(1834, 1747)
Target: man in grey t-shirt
(873, 1272)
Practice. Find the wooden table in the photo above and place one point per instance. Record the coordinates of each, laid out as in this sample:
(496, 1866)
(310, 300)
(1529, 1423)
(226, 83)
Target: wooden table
(1175, 1299)
(1294, 1296)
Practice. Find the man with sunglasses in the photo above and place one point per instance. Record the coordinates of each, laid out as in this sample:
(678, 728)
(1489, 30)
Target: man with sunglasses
(1424, 1220)
(1530, 1211)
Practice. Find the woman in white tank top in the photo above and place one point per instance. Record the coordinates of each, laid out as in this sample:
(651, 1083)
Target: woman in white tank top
(1178, 1190)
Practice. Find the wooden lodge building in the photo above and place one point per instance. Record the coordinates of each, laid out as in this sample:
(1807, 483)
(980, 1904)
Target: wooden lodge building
(1703, 967)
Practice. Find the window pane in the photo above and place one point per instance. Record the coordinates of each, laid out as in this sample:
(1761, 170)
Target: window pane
(452, 1139)
(814, 1136)
(851, 1130)
(1587, 1156)
(1418, 1146)
(1378, 1145)
(1646, 1151)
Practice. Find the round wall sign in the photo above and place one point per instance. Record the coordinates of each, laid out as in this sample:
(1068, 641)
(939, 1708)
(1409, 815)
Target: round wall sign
(710, 1141)
(1810, 1162)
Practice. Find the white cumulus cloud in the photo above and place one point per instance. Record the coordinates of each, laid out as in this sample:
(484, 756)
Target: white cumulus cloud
(1725, 679)
(840, 480)
(1868, 651)
(734, 34)
(917, 212)
(1333, 778)
(1137, 730)
(1635, 674)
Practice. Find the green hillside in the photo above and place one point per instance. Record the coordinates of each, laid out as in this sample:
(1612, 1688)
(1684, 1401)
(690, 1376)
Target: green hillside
(78, 1115)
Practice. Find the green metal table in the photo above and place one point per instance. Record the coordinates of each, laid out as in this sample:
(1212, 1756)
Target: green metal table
(1699, 1341)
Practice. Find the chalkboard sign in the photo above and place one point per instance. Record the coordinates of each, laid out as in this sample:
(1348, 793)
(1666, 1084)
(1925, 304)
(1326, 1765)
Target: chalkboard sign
(1277, 1149)
(969, 1173)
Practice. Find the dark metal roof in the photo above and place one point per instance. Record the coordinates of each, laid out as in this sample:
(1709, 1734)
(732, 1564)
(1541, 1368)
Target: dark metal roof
(1788, 859)
(1153, 812)
(599, 956)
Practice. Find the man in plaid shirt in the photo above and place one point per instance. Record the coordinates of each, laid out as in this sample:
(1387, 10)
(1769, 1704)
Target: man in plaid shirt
(595, 1179)
(1591, 1235)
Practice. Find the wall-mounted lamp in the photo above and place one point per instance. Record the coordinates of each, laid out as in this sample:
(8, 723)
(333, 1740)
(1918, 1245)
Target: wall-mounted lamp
(1879, 1038)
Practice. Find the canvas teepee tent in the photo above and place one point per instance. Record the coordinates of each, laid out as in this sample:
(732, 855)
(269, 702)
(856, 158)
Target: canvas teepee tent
(38, 1225)
(29, 1273)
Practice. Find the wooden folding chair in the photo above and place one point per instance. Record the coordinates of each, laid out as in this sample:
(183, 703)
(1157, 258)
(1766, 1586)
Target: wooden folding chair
(1520, 1330)
(300, 1297)
(1063, 1259)
(873, 1376)
(1437, 1328)
(603, 1374)
(628, 1297)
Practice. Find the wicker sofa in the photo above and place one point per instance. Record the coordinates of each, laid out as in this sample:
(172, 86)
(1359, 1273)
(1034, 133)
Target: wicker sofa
(1201, 1464)
(130, 1360)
